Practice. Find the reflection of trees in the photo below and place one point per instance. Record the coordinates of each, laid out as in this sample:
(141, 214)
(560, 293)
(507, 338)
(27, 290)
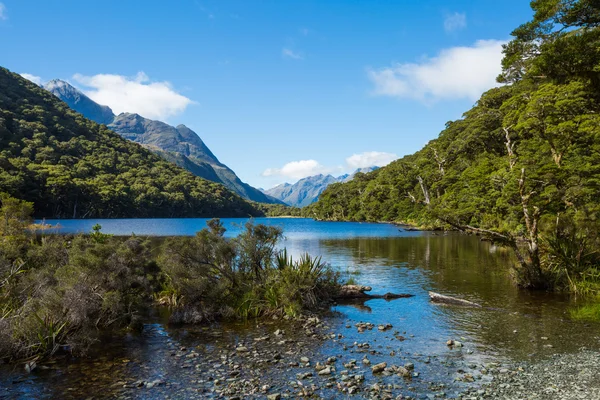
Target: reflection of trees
(359, 304)
(466, 267)
(454, 263)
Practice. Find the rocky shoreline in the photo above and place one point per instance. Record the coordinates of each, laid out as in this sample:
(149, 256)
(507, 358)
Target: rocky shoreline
(561, 377)
(319, 357)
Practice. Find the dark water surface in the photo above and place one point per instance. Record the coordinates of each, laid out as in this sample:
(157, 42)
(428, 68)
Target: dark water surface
(513, 325)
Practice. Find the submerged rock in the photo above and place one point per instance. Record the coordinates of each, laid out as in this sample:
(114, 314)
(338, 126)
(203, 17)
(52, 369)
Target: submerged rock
(325, 371)
(377, 368)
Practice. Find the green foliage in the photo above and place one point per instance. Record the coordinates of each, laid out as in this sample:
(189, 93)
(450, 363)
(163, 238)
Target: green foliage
(60, 290)
(97, 235)
(590, 312)
(71, 167)
(15, 217)
(560, 43)
(302, 284)
(278, 210)
(524, 157)
(246, 277)
(257, 248)
(57, 290)
(50, 334)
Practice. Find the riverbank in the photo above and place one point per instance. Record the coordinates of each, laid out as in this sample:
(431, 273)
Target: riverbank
(562, 376)
(327, 356)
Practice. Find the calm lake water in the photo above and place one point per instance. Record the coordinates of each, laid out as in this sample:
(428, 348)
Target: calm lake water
(294, 228)
(513, 325)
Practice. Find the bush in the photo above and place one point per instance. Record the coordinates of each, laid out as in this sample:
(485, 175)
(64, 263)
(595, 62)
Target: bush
(246, 277)
(60, 291)
(571, 261)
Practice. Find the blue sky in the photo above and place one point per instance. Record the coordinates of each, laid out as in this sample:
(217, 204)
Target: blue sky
(277, 89)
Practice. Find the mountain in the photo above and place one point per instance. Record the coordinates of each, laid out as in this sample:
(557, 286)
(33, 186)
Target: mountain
(71, 167)
(349, 177)
(303, 192)
(177, 144)
(307, 190)
(80, 102)
(161, 136)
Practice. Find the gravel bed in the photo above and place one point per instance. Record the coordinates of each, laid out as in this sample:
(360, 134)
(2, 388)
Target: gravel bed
(563, 376)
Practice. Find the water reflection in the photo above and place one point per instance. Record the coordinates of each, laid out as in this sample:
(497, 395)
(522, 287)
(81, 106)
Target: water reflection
(513, 324)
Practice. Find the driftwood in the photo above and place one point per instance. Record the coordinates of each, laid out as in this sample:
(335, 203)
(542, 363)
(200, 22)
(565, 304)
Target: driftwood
(440, 298)
(358, 292)
(407, 228)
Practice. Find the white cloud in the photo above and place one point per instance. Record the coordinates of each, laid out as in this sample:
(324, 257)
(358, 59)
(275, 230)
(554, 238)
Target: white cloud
(33, 78)
(454, 22)
(155, 100)
(370, 159)
(3, 14)
(298, 169)
(301, 169)
(455, 73)
(289, 53)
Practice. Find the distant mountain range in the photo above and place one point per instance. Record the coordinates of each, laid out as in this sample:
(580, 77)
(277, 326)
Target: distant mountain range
(179, 144)
(307, 190)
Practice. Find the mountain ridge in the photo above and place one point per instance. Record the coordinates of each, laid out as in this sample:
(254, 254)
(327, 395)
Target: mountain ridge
(80, 102)
(307, 190)
(178, 144)
(71, 167)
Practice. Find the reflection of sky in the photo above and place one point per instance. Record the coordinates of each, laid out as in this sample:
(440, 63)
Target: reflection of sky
(294, 228)
(416, 315)
(510, 325)
(391, 260)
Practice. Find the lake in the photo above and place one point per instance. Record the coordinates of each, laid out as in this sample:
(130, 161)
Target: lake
(512, 325)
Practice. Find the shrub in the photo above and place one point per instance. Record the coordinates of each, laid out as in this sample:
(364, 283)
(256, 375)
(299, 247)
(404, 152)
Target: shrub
(211, 276)
(60, 291)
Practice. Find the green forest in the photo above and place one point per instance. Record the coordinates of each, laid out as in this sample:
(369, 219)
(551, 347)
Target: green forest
(71, 167)
(521, 167)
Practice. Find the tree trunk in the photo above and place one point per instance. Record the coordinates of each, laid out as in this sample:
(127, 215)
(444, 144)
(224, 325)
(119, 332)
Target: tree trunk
(532, 268)
(440, 161)
(512, 158)
(440, 298)
(424, 189)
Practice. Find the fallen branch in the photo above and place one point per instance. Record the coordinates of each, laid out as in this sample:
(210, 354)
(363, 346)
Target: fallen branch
(358, 292)
(440, 298)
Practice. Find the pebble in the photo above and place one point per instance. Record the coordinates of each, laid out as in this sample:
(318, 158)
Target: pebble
(378, 368)
(325, 371)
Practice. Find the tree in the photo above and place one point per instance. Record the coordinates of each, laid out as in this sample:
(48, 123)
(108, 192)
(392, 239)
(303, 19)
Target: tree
(561, 41)
(15, 216)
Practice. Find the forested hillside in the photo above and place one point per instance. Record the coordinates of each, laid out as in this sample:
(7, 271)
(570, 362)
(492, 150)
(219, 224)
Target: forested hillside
(71, 167)
(178, 144)
(523, 165)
